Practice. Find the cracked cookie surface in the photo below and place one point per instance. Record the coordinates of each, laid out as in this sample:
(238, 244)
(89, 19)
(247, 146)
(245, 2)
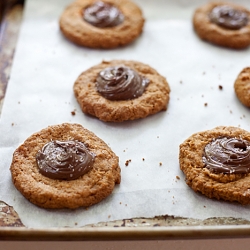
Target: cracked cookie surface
(242, 86)
(154, 99)
(77, 30)
(88, 189)
(214, 33)
(229, 187)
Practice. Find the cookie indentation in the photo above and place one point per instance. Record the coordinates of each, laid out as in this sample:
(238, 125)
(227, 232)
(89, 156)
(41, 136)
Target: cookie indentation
(228, 17)
(64, 160)
(103, 15)
(227, 156)
(120, 83)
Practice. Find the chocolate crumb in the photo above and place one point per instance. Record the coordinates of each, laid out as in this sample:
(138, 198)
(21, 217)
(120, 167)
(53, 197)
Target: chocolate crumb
(178, 177)
(127, 162)
(123, 223)
(143, 159)
(220, 87)
(160, 163)
(205, 104)
(73, 113)
(156, 225)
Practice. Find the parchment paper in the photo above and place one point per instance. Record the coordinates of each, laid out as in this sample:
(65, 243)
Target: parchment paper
(40, 93)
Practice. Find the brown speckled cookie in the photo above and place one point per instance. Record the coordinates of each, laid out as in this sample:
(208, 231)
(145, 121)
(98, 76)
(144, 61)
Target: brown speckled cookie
(154, 99)
(76, 29)
(85, 191)
(242, 86)
(211, 32)
(231, 186)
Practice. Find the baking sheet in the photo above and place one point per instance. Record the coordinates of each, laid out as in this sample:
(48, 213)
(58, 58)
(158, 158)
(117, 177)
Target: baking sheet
(40, 94)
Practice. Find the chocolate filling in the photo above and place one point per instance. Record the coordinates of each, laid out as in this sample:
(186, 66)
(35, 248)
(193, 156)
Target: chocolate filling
(120, 83)
(228, 17)
(227, 155)
(66, 160)
(103, 15)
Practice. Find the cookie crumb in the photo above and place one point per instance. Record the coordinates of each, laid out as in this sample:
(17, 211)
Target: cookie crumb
(231, 111)
(12, 124)
(127, 162)
(204, 206)
(143, 159)
(205, 104)
(76, 223)
(160, 163)
(73, 112)
(109, 216)
(178, 177)
(220, 87)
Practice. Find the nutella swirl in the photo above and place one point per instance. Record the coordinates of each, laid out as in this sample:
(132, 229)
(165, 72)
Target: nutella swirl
(120, 83)
(228, 17)
(66, 160)
(228, 155)
(103, 15)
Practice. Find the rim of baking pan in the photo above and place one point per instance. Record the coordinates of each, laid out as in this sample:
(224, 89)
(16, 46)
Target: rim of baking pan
(104, 234)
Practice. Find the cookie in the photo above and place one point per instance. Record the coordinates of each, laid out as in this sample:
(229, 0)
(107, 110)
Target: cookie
(224, 24)
(119, 90)
(216, 163)
(102, 24)
(45, 168)
(242, 86)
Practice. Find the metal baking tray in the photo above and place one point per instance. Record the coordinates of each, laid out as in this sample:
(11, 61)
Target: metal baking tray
(157, 228)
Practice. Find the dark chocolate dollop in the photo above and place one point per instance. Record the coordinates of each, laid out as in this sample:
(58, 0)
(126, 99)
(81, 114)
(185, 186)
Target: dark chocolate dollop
(103, 15)
(228, 17)
(120, 83)
(66, 160)
(227, 155)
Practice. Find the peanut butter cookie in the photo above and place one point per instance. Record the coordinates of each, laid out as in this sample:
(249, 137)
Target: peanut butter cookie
(242, 86)
(121, 90)
(217, 163)
(224, 24)
(64, 166)
(102, 24)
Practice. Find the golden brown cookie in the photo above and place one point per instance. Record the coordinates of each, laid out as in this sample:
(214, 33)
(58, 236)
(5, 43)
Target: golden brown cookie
(217, 163)
(86, 190)
(74, 26)
(242, 86)
(154, 98)
(213, 25)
